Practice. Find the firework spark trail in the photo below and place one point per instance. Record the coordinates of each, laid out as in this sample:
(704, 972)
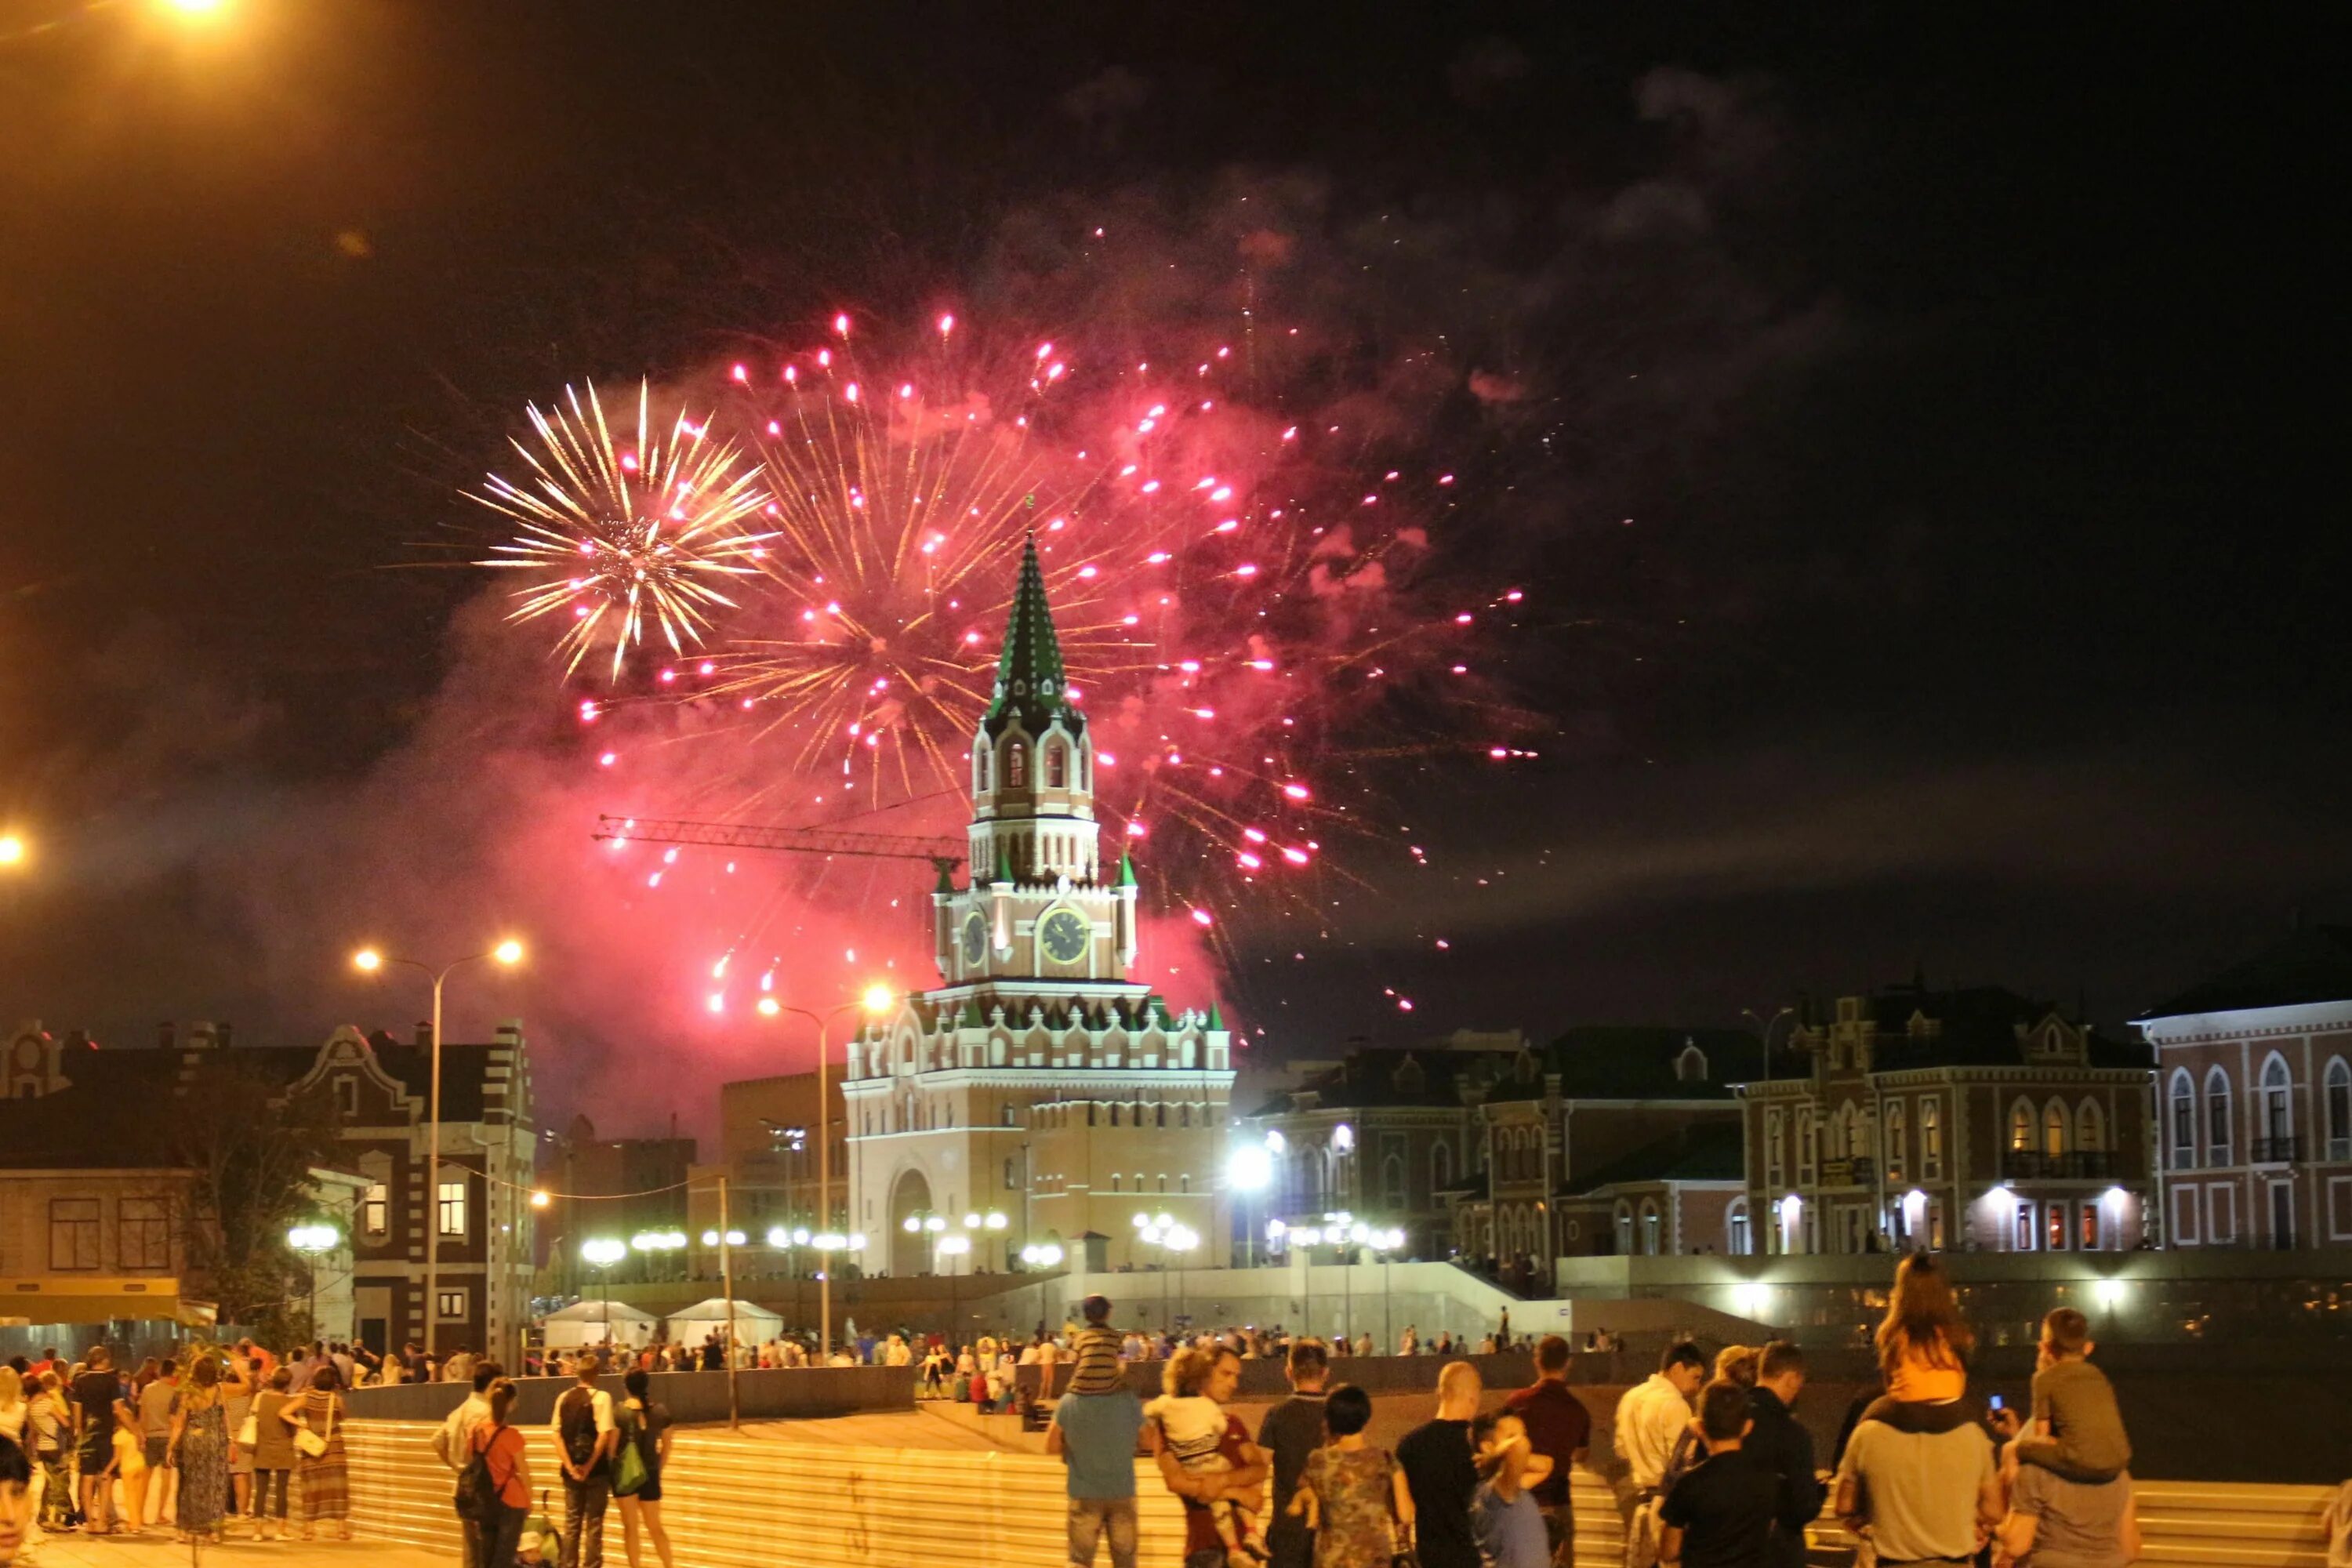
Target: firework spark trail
(652, 530)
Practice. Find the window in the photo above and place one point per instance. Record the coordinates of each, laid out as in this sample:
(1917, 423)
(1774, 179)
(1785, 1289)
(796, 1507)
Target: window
(2057, 1227)
(1392, 1182)
(2090, 1229)
(347, 1096)
(376, 1209)
(453, 1305)
(2026, 1227)
(2184, 1121)
(1057, 767)
(1652, 1229)
(2090, 1127)
(145, 1233)
(1772, 1149)
(1441, 1166)
(1808, 1137)
(1894, 1141)
(2217, 1119)
(1010, 1184)
(1735, 1227)
(1931, 1139)
(2339, 1110)
(1624, 1230)
(453, 1207)
(2278, 1106)
(1934, 1225)
(980, 771)
(1114, 1115)
(1164, 1181)
(2020, 1128)
(2054, 1129)
(1016, 764)
(1114, 1181)
(1183, 1116)
(73, 1233)
(1184, 1181)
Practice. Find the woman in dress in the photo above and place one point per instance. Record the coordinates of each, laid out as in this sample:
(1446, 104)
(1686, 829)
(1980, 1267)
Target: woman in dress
(199, 1447)
(1353, 1495)
(644, 1423)
(326, 1477)
(273, 1455)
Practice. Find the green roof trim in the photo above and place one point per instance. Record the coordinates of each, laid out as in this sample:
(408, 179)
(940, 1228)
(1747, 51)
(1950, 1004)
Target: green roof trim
(1030, 683)
(1217, 1018)
(1126, 871)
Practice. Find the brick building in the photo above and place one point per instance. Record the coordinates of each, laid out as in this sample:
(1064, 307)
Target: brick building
(2254, 1072)
(80, 1109)
(1963, 1119)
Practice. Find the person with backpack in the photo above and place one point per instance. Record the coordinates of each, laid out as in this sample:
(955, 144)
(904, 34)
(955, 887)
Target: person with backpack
(585, 1435)
(494, 1490)
(643, 1449)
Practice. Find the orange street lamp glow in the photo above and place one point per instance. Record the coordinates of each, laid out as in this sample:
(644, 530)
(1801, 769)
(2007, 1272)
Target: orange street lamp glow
(879, 998)
(507, 952)
(367, 960)
(538, 1199)
(12, 849)
(768, 1006)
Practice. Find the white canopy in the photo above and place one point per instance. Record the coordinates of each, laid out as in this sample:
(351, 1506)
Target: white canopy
(598, 1323)
(753, 1322)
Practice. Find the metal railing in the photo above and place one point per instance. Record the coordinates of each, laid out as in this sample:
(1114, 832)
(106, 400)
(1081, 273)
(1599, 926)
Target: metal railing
(2075, 1166)
(2277, 1151)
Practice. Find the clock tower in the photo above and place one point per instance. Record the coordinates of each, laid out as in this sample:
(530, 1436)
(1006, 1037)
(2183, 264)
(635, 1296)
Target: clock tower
(1038, 1093)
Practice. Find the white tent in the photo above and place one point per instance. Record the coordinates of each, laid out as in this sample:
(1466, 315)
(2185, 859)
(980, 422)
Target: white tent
(753, 1324)
(598, 1323)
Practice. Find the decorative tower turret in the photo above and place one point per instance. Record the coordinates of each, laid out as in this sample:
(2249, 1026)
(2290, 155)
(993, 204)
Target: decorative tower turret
(1033, 762)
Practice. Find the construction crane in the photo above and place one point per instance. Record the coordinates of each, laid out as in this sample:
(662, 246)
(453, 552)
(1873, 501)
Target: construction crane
(946, 854)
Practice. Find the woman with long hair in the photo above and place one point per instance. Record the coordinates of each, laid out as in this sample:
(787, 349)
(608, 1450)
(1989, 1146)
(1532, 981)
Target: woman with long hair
(644, 1423)
(273, 1455)
(1923, 1345)
(198, 1445)
(326, 1477)
(493, 1540)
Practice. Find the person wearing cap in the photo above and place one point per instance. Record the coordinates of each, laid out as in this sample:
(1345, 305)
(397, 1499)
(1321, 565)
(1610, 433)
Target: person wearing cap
(1095, 1429)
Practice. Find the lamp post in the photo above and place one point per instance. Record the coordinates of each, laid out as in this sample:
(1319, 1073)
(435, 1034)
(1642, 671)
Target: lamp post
(600, 1253)
(311, 1240)
(877, 1000)
(1173, 1240)
(368, 961)
(1764, 1032)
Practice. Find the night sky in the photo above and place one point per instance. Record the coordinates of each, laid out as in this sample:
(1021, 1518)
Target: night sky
(1911, 456)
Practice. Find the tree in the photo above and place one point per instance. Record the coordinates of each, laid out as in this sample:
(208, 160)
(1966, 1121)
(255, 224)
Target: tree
(249, 1143)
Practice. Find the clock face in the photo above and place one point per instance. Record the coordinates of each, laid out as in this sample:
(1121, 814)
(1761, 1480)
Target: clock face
(1065, 934)
(975, 940)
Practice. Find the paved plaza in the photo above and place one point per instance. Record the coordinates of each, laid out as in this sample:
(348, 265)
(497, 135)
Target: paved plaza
(158, 1551)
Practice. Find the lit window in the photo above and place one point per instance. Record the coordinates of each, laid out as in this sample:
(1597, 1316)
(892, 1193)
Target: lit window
(2057, 1227)
(453, 1305)
(2054, 1129)
(2024, 1227)
(1016, 764)
(2089, 1235)
(376, 1209)
(1056, 765)
(2020, 1128)
(453, 1207)
(2217, 1119)
(1931, 1139)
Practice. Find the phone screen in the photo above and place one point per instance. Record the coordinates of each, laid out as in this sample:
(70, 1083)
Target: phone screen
(1996, 1402)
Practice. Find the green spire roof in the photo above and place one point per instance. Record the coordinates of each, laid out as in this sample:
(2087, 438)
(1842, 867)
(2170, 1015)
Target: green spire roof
(1030, 683)
(1217, 1019)
(1126, 871)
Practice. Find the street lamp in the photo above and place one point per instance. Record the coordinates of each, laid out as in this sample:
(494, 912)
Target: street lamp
(1173, 1241)
(653, 1241)
(311, 1240)
(600, 1253)
(877, 1000)
(1249, 1170)
(11, 850)
(369, 961)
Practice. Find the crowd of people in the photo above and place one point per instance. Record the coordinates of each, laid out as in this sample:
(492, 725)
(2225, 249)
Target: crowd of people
(192, 1444)
(1713, 1467)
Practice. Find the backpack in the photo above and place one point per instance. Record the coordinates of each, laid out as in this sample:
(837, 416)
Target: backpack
(578, 1426)
(477, 1492)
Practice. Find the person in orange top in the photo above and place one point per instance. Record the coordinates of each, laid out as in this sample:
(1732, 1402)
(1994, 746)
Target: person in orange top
(1923, 1345)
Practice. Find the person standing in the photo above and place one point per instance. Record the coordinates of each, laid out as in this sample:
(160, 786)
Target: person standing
(494, 1538)
(156, 1396)
(1239, 1480)
(1558, 1428)
(1509, 1525)
(1650, 1418)
(585, 1437)
(1290, 1431)
(99, 1407)
(1722, 1512)
(16, 1500)
(1353, 1495)
(645, 1425)
(1442, 1473)
(1780, 1441)
(196, 1447)
(452, 1442)
(239, 1403)
(50, 1423)
(326, 1475)
(273, 1455)
(1093, 1430)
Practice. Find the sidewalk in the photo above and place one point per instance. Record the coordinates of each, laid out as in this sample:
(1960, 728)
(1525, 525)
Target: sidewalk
(158, 1551)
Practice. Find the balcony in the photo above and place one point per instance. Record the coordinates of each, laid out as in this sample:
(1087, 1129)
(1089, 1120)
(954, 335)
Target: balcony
(2075, 1165)
(2277, 1151)
(1858, 1172)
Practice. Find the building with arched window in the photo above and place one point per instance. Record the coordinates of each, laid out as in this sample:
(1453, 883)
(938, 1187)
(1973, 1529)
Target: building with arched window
(2256, 1064)
(1038, 1055)
(1922, 1118)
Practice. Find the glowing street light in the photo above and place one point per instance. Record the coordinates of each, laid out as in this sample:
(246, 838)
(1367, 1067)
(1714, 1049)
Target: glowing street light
(12, 849)
(877, 1000)
(311, 1240)
(370, 961)
(600, 1253)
